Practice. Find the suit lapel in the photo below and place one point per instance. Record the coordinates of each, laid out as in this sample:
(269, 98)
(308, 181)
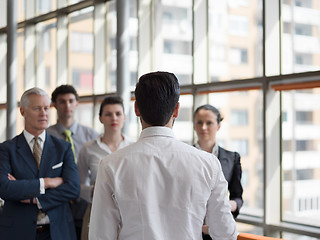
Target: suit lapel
(48, 155)
(25, 153)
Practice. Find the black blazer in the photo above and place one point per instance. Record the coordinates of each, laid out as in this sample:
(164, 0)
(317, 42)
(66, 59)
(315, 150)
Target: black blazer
(231, 168)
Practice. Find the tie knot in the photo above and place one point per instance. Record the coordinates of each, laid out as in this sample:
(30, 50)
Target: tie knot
(67, 133)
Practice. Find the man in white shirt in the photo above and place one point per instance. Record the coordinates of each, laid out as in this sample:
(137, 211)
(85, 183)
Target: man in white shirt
(160, 188)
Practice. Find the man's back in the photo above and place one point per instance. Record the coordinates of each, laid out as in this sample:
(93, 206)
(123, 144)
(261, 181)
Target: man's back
(162, 188)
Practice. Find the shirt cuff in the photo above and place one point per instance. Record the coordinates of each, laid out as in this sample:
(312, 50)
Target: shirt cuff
(42, 189)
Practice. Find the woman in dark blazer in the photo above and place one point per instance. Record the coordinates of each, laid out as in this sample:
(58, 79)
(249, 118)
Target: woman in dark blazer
(207, 122)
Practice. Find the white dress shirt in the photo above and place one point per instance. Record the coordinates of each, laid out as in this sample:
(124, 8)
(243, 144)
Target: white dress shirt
(160, 188)
(88, 163)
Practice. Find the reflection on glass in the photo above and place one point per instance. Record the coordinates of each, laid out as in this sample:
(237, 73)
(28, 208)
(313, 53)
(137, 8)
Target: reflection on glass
(183, 126)
(81, 45)
(47, 55)
(176, 32)
(45, 6)
(235, 39)
(300, 36)
(301, 156)
(241, 131)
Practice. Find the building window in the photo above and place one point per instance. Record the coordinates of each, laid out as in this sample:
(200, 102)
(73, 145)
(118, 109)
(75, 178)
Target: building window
(238, 56)
(239, 117)
(304, 145)
(304, 117)
(81, 42)
(304, 174)
(239, 25)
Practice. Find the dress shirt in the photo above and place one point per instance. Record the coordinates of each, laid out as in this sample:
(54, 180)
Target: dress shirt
(80, 134)
(30, 140)
(88, 163)
(215, 149)
(160, 188)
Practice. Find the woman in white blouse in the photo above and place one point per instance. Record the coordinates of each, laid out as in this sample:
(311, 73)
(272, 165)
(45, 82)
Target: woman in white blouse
(111, 115)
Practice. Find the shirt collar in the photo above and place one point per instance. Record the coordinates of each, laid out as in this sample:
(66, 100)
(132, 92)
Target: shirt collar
(156, 131)
(215, 149)
(29, 137)
(73, 127)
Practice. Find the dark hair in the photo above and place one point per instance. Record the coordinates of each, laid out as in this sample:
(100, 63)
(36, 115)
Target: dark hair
(111, 100)
(210, 108)
(157, 95)
(64, 89)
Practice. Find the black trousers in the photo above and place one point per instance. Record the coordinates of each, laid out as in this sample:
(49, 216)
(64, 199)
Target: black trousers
(43, 233)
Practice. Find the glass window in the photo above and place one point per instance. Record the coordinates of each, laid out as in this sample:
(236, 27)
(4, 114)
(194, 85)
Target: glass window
(246, 139)
(21, 10)
(239, 117)
(183, 126)
(3, 15)
(45, 6)
(300, 156)
(3, 68)
(235, 39)
(238, 56)
(175, 27)
(300, 37)
(47, 55)
(112, 48)
(84, 114)
(81, 51)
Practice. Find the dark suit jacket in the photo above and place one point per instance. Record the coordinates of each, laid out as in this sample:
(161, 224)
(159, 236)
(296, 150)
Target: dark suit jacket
(19, 220)
(231, 168)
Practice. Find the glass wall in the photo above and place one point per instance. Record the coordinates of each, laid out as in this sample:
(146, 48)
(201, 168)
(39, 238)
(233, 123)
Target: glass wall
(300, 36)
(230, 54)
(235, 39)
(301, 156)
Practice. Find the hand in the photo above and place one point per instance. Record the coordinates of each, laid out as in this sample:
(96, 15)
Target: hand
(28, 201)
(205, 229)
(52, 182)
(10, 177)
(233, 205)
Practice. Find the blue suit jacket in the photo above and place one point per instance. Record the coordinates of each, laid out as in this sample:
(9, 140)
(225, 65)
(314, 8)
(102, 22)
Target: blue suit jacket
(19, 220)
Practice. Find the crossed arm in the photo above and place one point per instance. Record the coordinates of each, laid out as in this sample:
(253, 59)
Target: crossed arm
(48, 183)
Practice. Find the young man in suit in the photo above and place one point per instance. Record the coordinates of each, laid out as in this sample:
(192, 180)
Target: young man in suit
(38, 178)
(159, 187)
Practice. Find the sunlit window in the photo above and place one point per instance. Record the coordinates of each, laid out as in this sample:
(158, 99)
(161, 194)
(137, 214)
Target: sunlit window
(300, 156)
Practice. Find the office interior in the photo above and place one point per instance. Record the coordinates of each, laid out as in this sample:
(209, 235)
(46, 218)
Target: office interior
(257, 61)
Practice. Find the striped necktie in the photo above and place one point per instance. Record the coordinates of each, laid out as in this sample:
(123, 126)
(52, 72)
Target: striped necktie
(68, 134)
(37, 151)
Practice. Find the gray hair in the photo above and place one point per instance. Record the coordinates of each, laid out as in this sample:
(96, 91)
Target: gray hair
(24, 102)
